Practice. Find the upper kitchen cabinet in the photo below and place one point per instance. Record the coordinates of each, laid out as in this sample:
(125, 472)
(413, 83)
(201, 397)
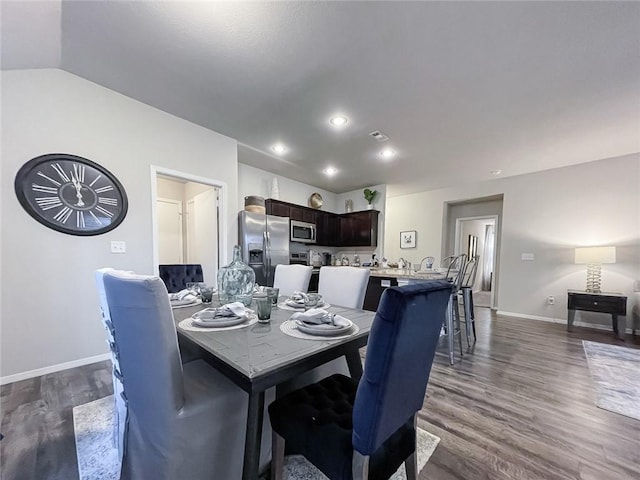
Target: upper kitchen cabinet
(327, 228)
(277, 208)
(294, 212)
(359, 229)
(302, 214)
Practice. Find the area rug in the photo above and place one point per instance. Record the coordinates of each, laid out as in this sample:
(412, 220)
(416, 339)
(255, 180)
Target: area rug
(98, 459)
(615, 372)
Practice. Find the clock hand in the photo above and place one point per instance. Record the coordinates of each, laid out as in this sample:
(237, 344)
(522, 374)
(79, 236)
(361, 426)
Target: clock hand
(78, 187)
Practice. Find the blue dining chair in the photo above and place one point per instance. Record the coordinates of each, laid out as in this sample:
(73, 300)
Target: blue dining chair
(176, 276)
(368, 429)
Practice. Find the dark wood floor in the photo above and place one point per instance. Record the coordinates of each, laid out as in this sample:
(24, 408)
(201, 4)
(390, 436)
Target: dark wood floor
(519, 406)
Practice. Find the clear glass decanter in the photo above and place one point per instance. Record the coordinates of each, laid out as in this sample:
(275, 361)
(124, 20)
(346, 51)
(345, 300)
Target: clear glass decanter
(236, 280)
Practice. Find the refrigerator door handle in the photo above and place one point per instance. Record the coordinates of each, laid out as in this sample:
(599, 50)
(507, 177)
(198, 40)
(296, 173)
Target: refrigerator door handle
(268, 253)
(265, 256)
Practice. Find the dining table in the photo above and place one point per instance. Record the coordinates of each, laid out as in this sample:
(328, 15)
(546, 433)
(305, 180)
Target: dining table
(260, 356)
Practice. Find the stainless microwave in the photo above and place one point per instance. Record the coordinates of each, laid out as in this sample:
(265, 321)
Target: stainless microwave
(302, 232)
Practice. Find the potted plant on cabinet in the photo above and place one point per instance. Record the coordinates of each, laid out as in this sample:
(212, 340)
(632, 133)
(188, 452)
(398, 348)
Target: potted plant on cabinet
(369, 196)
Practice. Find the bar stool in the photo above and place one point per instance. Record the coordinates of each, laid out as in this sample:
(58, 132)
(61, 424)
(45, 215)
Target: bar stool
(455, 272)
(466, 291)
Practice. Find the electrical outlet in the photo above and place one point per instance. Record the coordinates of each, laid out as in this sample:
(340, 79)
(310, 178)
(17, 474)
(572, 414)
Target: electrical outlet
(551, 300)
(118, 247)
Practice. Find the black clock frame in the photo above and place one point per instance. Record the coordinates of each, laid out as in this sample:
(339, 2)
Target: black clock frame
(27, 168)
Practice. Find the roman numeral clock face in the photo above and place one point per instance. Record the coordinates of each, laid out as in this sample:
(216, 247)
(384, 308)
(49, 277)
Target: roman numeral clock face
(71, 194)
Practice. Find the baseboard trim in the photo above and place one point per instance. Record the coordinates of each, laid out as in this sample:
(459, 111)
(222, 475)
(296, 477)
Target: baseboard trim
(557, 320)
(53, 368)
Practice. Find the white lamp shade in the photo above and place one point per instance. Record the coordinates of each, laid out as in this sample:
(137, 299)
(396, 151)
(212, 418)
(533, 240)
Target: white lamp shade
(595, 255)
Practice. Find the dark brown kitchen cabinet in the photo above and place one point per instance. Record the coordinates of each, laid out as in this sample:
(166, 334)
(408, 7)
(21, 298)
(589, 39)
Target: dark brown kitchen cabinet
(302, 214)
(327, 228)
(359, 229)
(279, 209)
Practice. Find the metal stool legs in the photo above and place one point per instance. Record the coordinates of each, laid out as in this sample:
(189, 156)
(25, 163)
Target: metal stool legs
(469, 316)
(453, 327)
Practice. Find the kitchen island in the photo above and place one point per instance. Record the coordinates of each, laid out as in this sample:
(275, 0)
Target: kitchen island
(382, 278)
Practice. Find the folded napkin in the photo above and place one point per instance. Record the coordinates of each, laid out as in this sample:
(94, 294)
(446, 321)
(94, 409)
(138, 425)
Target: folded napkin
(183, 295)
(296, 300)
(235, 309)
(321, 318)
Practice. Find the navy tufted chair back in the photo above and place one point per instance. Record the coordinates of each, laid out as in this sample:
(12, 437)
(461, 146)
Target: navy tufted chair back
(400, 352)
(176, 277)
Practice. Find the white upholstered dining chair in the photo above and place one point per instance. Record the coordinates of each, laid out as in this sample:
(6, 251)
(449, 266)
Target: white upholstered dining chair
(292, 278)
(182, 420)
(343, 286)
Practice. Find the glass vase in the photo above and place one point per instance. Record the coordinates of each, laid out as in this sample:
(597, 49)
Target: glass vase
(236, 280)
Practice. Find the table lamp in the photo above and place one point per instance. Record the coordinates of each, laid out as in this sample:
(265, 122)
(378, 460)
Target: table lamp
(594, 257)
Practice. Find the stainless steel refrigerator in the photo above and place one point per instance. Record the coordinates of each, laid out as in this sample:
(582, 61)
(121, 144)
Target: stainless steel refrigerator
(264, 240)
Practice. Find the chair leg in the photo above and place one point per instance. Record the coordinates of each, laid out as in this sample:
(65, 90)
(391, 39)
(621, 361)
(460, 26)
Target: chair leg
(473, 315)
(411, 463)
(450, 331)
(457, 329)
(467, 301)
(360, 466)
(411, 466)
(277, 456)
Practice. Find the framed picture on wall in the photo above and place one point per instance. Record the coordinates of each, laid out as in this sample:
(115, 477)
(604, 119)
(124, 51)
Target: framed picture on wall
(408, 239)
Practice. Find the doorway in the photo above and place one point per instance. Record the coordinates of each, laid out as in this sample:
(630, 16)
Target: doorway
(482, 209)
(187, 227)
(476, 236)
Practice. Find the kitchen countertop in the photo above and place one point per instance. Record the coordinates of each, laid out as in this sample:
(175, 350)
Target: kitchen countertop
(405, 273)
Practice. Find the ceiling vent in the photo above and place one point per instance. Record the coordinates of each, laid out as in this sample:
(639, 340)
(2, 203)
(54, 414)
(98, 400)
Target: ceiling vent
(379, 136)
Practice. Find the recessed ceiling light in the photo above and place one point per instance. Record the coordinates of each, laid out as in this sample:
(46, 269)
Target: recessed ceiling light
(338, 121)
(279, 148)
(330, 171)
(496, 172)
(387, 153)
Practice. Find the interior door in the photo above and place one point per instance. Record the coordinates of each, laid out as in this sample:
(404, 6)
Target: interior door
(202, 226)
(170, 237)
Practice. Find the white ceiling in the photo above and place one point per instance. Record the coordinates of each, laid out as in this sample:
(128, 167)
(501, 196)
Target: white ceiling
(460, 88)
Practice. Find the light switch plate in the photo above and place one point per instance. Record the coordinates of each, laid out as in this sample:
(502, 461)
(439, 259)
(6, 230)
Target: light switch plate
(118, 246)
(528, 257)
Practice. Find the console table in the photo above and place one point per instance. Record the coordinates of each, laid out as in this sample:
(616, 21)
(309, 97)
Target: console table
(615, 304)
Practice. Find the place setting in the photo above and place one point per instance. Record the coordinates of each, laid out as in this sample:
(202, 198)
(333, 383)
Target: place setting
(226, 317)
(318, 324)
(300, 301)
(196, 293)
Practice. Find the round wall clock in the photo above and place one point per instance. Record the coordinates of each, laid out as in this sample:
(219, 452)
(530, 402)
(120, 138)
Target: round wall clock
(71, 194)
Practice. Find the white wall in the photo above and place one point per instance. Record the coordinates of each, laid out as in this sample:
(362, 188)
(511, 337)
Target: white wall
(253, 181)
(548, 214)
(50, 306)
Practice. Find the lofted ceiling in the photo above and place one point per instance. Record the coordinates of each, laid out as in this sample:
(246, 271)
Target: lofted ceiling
(460, 88)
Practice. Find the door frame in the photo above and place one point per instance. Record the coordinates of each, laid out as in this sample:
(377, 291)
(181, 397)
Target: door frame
(223, 207)
(458, 239)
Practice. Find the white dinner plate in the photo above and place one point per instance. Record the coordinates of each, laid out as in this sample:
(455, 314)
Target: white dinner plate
(323, 330)
(284, 306)
(218, 322)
